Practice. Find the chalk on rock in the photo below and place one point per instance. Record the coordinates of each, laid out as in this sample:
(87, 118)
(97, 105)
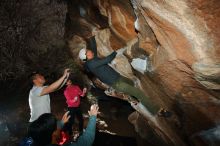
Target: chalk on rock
(136, 25)
(121, 51)
(139, 64)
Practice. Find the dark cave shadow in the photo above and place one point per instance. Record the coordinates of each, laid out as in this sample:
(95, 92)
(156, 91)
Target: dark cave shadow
(105, 139)
(191, 123)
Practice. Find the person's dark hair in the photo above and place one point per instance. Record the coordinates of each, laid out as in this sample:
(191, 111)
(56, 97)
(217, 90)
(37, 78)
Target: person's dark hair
(33, 75)
(71, 77)
(41, 130)
(76, 79)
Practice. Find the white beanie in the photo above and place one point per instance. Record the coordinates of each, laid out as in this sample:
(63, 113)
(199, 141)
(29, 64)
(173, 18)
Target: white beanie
(82, 54)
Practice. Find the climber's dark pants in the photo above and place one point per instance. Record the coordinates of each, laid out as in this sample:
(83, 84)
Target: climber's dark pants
(126, 86)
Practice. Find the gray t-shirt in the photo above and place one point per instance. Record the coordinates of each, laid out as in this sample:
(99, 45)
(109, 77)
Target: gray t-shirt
(38, 104)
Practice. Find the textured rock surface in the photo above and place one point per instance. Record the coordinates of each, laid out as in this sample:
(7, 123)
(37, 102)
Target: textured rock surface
(179, 38)
(181, 41)
(29, 32)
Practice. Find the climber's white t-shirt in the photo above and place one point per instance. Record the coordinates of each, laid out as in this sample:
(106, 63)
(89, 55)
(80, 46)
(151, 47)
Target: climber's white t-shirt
(38, 104)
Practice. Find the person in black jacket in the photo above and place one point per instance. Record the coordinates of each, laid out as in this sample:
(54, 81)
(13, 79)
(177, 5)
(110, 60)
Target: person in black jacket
(100, 68)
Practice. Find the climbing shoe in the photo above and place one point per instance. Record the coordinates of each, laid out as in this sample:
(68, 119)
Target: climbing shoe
(110, 91)
(164, 113)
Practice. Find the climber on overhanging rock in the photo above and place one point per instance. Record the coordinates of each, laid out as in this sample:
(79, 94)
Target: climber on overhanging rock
(100, 68)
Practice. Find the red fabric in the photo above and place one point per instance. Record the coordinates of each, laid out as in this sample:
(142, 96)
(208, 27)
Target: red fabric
(72, 94)
(64, 138)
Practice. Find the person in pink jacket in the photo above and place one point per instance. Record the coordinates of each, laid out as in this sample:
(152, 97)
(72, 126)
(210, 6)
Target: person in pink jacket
(73, 93)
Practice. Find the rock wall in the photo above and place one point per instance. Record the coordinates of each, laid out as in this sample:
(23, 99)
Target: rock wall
(179, 39)
(178, 42)
(185, 62)
(31, 37)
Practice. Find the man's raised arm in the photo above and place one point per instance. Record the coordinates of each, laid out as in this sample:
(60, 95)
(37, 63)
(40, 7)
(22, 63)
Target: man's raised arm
(91, 42)
(55, 85)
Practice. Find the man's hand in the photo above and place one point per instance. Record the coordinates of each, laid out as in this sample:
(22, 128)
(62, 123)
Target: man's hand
(84, 90)
(57, 84)
(94, 110)
(66, 72)
(66, 117)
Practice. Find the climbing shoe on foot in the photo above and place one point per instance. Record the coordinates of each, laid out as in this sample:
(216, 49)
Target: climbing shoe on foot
(110, 91)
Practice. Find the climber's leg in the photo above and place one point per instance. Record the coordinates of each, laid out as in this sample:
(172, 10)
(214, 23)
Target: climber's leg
(126, 88)
(126, 80)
